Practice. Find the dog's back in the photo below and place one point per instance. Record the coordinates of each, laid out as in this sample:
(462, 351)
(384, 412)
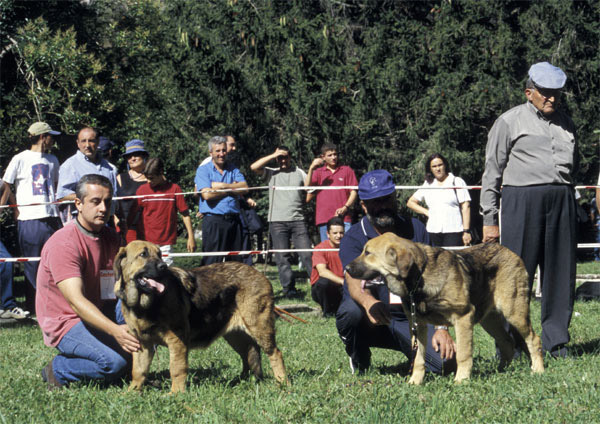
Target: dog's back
(224, 295)
(496, 270)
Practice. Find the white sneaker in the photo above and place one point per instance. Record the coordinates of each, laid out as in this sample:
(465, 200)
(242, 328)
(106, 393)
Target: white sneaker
(16, 313)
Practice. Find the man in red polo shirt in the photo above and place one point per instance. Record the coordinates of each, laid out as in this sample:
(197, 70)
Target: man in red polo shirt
(331, 203)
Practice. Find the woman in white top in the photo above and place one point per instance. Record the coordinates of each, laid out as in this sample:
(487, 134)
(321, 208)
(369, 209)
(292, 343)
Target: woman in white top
(449, 210)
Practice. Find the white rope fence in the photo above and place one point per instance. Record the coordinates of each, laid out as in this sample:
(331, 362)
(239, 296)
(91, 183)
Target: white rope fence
(264, 252)
(275, 188)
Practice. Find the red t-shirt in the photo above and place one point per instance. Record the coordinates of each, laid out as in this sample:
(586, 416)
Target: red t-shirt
(159, 214)
(70, 253)
(328, 201)
(331, 259)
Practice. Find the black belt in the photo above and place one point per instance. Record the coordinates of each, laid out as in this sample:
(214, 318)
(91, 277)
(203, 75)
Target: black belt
(227, 216)
(49, 219)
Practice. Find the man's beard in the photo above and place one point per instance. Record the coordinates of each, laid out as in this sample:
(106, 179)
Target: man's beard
(231, 157)
(383, 218)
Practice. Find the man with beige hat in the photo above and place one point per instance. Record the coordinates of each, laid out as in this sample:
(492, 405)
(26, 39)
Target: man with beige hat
(34, 175)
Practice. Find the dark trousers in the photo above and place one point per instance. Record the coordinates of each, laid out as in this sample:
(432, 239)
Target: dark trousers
(359, 335)
(221, 233)
(538, 223)
(33, 234)
(327, 294)
(282, 232)
(446, 239)
(7, 300)
(246, 245)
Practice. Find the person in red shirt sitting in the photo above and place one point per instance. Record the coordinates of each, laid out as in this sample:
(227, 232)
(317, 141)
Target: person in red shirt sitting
(159, 214)
(327, 275)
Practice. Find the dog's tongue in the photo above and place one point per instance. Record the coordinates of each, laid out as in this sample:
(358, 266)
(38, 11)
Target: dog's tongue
(154, 284)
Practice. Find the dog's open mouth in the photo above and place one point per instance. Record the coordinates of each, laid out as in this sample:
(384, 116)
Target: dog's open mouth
(367, 284)
(150, 285)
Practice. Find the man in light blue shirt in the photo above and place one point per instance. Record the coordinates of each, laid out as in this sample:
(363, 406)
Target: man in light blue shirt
(221, 227)
(87, 160)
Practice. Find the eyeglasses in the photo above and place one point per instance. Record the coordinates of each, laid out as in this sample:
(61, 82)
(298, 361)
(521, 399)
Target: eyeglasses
(546, 93)
(136, 154)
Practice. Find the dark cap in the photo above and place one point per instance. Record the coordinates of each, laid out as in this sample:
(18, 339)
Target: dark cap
(105, 144)
(376, 184)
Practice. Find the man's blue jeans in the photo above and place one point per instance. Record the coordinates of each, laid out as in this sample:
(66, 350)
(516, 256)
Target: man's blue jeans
(90, 354)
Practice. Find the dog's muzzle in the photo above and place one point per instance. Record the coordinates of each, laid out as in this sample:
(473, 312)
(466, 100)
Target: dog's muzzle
(147, 284)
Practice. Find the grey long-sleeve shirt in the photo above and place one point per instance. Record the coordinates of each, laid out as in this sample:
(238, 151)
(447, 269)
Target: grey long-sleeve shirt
(526, 148)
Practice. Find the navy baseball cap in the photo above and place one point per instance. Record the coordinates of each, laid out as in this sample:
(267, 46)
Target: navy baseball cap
(376, 184)
(105, 143)
(545, 75)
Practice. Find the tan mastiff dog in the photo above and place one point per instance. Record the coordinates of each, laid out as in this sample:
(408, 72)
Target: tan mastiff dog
(184, 309)
(459, 288)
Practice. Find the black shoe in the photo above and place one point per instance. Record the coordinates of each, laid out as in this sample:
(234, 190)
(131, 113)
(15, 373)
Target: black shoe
(559, 351)
(292, 294)
(50, 379)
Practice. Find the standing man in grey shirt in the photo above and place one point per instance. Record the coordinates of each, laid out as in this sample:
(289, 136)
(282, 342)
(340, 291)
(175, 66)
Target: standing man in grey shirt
(531, 151)
(285, 214)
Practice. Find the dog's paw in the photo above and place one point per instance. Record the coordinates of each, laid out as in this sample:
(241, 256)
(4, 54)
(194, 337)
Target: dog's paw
(459, 379)
(416, 380)
(537, 367)
(135, 387)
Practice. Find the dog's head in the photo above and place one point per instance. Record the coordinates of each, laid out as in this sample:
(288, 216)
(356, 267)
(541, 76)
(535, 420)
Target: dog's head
(139, 270)
(388, 256)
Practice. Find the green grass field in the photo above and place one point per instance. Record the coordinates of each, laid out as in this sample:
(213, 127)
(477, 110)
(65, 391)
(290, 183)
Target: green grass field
(323, 390)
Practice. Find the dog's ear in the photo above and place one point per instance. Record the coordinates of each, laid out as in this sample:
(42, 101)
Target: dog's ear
(403, 260)
(118, 270)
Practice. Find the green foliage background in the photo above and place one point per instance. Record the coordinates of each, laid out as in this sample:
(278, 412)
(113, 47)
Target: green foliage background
(389, 81)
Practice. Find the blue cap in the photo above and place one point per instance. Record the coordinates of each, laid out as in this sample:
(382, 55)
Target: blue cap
(545, 75)
(375, 184)
(105, 144)
(133, 146)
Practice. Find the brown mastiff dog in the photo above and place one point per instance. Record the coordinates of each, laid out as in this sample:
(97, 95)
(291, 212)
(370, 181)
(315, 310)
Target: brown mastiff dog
(184, 309)
(460, 288)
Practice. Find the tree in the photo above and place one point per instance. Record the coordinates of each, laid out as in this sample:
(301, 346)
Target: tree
(390, 82)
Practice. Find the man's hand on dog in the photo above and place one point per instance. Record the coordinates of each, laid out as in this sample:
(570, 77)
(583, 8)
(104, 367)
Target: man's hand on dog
(378, 313)
(443, 343)
(126, 340)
